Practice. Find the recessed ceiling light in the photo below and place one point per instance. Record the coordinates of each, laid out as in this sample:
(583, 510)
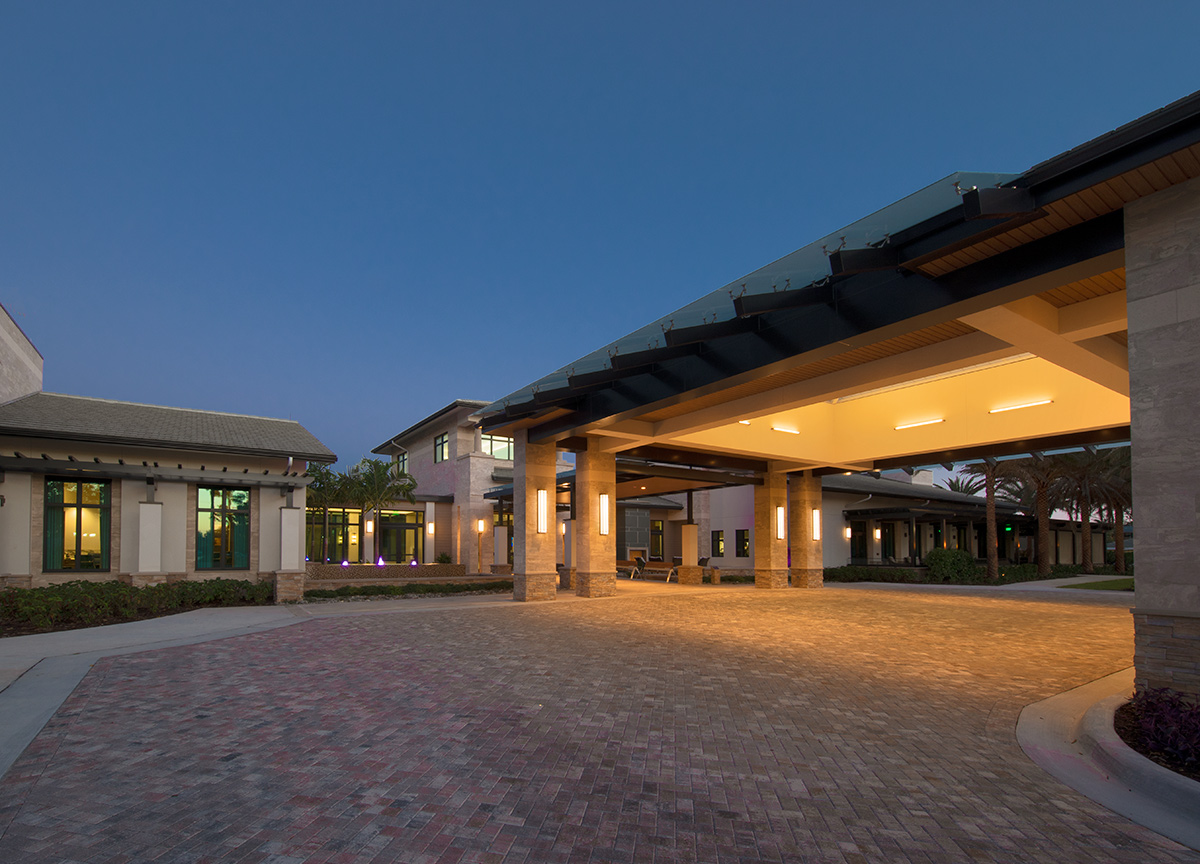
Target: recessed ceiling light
(1023, 405)
(781, 429)
(920, 423)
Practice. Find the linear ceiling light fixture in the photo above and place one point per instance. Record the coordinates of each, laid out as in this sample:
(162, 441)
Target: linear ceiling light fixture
(920, 423)
(1023, 405)
(784, 429)
(744, 422)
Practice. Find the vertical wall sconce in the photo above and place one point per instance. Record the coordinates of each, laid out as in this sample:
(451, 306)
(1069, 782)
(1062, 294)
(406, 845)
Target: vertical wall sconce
(849, 534)
(816, 524)
(878, 533)
(429, 528)
(479, 526)
(370, 525)
(541, 511)
(780, 523)
(562, 528)
(604, 513)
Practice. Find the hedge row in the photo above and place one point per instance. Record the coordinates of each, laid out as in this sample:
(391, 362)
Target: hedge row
(955, 567)
(87, 604)
(497, 586)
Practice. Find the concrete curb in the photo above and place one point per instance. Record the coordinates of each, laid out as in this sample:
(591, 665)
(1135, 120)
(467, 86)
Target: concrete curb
(1071, 736)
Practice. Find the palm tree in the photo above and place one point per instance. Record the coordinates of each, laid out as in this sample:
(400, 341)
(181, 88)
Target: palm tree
(1116, 497)
(375, 482)
(1032, 481)
(325, 490)
(964, 485)
(995, 481)
(1083, 482)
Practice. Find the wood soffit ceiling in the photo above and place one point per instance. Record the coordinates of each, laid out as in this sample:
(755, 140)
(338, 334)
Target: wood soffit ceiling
(1079, 208)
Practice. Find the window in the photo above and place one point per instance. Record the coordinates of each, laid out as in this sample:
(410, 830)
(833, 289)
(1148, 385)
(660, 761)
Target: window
(742, 538)
(656, 539)
(718, 544)
(222, 528)
(441, 448)
(401, 535)
(76, 523)
(497, 446)
(402, 462)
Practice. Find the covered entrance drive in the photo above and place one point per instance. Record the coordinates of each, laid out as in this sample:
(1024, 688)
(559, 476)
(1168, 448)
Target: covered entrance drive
(984, 315)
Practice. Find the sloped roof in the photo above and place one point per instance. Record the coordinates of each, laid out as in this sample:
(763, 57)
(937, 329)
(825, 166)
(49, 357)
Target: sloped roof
(885, 487)
(457, 403)
(79, 418)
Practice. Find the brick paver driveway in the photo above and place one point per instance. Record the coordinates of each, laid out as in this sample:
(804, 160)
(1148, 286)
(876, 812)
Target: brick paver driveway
(725, 724)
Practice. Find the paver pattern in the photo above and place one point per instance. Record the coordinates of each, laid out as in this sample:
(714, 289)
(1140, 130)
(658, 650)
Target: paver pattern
(724, 725)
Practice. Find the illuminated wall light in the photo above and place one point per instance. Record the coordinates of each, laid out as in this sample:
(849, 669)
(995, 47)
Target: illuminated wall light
(1024, 405)
(920, 423)
(782, 429)
(541, 511)
(429, 528)
(479, 526)
(816, 523)
(370, 525)
(604, 513)
(562, 528)
(780, 523)
(849, 534)
(878, 533)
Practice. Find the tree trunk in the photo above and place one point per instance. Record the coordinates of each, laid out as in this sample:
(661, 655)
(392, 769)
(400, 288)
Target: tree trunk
(1119, 538)
(1043, 531)
(993, 556)
(1085, 524)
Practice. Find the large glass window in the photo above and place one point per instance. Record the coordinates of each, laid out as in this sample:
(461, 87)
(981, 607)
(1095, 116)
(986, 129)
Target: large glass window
(742, 537)
(497, 446)
(76, 524)
(401, 535)
(656, 539)
(441, 448)
(402, 462)
(718, 544)
(222, 528)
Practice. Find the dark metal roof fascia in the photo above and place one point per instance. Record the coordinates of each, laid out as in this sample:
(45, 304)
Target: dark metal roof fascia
(1138, 142)
(864, 302)
(457, 403)
(155, 444)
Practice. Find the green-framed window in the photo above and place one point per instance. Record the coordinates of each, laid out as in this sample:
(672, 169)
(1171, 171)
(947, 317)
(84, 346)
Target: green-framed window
(441, 448)
(222, 528)
(76, 523)
(718, 544)
(742, 538)
(496, 446)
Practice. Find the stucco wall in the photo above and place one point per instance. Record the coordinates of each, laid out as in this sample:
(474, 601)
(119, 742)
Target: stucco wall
(20, 363)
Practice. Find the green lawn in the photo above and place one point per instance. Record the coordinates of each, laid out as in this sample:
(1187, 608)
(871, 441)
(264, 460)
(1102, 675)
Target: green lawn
(1105, 585)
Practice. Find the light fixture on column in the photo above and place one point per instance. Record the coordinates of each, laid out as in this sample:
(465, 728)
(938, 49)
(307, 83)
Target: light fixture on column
(541, 511)
(479, 526)
(816, 523)
(429, 528)
(849, 533)
(780, 523)
(878, 533)
(562, 528)
(604, 513)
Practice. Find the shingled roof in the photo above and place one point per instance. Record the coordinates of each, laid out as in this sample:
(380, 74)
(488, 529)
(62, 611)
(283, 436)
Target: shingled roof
(79, 418)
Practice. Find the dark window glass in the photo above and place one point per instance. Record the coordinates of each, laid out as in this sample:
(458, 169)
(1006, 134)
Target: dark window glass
(742, 537)
(222, 528)
(718, 544)
(656, 539)
(76, 525)
(402, 462)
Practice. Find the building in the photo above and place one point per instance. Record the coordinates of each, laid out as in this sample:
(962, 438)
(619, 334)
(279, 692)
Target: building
(96, 489)
(983, 316)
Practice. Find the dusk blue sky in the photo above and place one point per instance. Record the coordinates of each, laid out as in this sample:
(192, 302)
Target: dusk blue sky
(351, 214)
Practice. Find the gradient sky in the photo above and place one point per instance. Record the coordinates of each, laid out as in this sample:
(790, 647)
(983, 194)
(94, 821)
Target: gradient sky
(351, 214)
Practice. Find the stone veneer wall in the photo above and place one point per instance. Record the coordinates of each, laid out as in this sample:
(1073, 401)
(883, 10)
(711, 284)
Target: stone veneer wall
(1162, 266)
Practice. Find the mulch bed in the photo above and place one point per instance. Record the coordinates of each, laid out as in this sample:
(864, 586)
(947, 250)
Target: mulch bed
(1125, 723)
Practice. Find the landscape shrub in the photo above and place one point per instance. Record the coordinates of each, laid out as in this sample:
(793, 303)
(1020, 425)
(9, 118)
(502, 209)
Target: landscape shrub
(443, 558)
(88, 604)
(859, 573)
(952, 566)
(1170, 725)
(407, 590)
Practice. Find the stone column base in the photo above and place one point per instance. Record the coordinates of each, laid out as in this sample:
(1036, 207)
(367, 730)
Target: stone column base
(1166, 651)
(690, 575)
(568, 578)
(715, 573)
(501, 569)
(16, 581)
(770, 578)
(144, 580)
(535, 586)
(595, 584)
(289, 586)
(807, 578)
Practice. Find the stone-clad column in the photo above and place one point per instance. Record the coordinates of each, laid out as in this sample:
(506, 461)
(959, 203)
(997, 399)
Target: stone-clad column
(770, 551)
(804, 496)
(1162, 272)
(535, 576)
(595, 475)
